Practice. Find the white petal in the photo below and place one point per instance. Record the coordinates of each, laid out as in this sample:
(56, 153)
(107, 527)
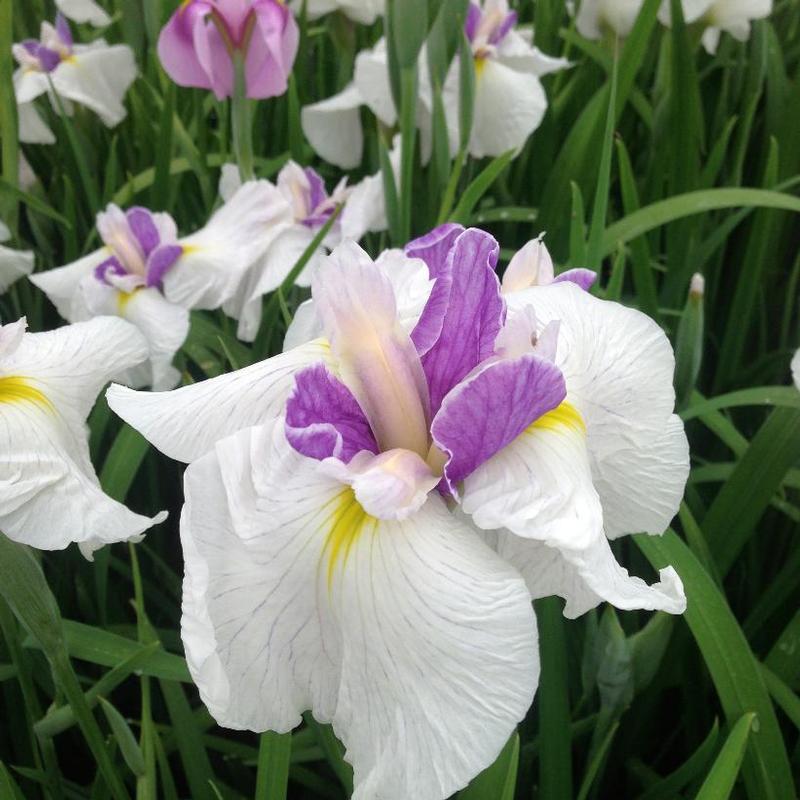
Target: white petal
(5, 233)
(28, 85)
(365, 209)
(216, 259)
(186, 422)
(710, 39)
(618, 16)
(509, 106)
(795, 367)
(315, 8)
(333, 128)
(618, 366)
(305, 326)
(411, 637)
(371, 76)
(14, 264)
(517, 51)
(230, 180)
(32, 128)
(62, 285)
(585, 578)
(84, 11)
(98, 78)
(363, 11)
(50, 493)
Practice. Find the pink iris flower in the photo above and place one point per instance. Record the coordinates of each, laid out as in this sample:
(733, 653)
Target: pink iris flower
(198, 44)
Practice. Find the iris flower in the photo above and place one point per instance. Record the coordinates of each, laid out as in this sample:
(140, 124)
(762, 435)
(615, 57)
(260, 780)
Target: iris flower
(95, 75)
(509, 99)
(198, 45)
(351, 504)
(732, 16)
(147, 275)
(48, 384)
(308, 209)
(597, 18)
(14, 264)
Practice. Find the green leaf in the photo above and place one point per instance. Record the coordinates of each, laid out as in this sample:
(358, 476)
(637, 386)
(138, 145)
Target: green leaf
(334, 752)
(274, 754)
(719, 783)
(478, 188)
(32, 202)
(778, 396)
(498, 781)
(660, 213)
(9, 149)
(8, 788)
(689, 342)
(731, 664)
(126, 741)
(123, 462)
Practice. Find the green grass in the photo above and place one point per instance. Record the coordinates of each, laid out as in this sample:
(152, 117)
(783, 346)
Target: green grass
(655, 161)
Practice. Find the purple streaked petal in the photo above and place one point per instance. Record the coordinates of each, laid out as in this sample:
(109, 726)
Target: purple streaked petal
(176, 46)
(112, 265)
(585, 278)
(160, 261)
(319, 405)
(499, 33)
(63, 30)
(49, 59)
(480, 416)
(272, 50)
(475, 314)
(317, 193)
(474, 16)
(434, 247)
(143, 227)
(31, 45)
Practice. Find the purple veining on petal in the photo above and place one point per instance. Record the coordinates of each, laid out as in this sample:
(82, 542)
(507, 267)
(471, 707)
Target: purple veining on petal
(474, 316)
(474, 15)
(486, 412)
(500, 32)
(48, 59)
(63, 30)
(160, 261)
(317, 195)
(318, 404)
(112, 265)
(143, 227)
(434, 247)
(585, 278)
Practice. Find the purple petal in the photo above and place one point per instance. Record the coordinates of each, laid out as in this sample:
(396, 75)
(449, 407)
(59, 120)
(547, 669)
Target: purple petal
(474, 16)
(499, 33)
(111, 264)
(434, 247)
(322, 416)
(31, 45)
(176, 46)
(318, 194)
(63, 30)
(49, 59)
(490, 409)
(160, 261)
(272, 50)
(143, 227)
(475, 314)
(585, 278)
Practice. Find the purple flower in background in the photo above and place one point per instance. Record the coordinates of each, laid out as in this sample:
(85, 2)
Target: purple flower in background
(198, 44)
(369, 513)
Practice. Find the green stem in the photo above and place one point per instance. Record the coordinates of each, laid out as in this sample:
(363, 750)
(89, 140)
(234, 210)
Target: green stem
(274, 753)
(242, 121)
(452, 185)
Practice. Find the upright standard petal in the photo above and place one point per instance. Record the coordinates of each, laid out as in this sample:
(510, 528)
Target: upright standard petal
(186, 422)
(98, 77)
(48, 384)
(296, 599)
(618, 366)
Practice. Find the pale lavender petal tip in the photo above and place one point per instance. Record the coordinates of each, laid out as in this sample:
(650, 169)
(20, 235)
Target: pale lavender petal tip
(584, 278)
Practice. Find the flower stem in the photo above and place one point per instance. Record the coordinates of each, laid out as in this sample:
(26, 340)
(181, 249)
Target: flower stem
(242, 119)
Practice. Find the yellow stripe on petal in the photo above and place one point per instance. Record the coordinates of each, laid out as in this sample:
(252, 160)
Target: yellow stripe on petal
(348, 522)
(564, 415)
(16, 389)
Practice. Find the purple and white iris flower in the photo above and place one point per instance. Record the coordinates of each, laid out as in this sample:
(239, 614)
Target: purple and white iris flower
(363, 11)
(84, 11)
(599, 18)
(380, 503)
(48, 384)
(14, 264)
(732, 16)
(150, 277)
(509, 99)
(309, 207)
(95, 75)
(198, 45)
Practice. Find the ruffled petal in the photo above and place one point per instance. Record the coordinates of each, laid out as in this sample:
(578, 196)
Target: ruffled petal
(62, 285)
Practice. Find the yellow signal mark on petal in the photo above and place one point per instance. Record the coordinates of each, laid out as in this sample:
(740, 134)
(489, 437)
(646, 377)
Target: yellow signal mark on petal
(348, 522)
(17, 389)
(564, 415)
(480, 63)
(123, 298)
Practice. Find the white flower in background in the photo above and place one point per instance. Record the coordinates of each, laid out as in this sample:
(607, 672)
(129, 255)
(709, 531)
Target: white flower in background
(732, 16)
(14, 264)
(795, 366)
(149, 276)
(598, 18)
(363, 11)
(95, 75)
(331, 562)
(509, 99)
(84, 11)
(49, 492)
(310, 208)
